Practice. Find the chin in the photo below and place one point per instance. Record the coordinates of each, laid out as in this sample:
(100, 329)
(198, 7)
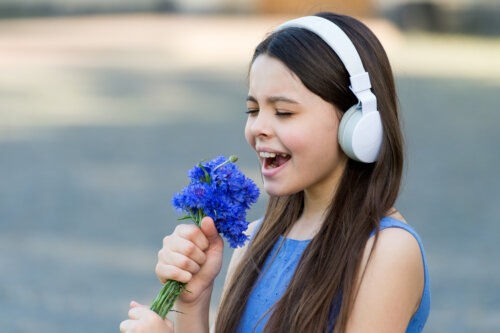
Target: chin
(275, 191)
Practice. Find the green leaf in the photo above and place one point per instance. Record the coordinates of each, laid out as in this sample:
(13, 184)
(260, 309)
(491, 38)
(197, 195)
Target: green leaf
(207, 176)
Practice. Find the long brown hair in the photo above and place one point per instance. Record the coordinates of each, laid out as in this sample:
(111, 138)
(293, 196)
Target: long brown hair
(322, 290)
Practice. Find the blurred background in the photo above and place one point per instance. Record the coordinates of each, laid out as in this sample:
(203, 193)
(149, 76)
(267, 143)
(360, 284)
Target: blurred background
(104, 106)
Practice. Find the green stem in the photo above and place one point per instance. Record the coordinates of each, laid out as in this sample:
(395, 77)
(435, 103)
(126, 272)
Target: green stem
(232, 159)
(165, 300)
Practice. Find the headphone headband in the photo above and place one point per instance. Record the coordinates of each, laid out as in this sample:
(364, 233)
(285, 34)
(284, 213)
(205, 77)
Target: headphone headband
(342, 45)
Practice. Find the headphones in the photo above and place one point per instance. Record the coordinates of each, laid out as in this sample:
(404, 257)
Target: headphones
(360, 130)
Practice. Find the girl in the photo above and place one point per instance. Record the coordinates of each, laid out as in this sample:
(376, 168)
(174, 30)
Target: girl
(331, 252)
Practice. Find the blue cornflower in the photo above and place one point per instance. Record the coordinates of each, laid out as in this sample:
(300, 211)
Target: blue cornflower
(220, 190)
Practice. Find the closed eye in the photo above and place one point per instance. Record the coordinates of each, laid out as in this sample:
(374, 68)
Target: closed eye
(251, 111)
(283, 114)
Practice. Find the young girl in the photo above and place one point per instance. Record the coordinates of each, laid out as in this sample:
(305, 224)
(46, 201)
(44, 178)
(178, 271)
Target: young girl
(331, 252)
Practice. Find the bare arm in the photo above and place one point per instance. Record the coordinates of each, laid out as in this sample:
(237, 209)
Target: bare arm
(193, 317)
(391, 288)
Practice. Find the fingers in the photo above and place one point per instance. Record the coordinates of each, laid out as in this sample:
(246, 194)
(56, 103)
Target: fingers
(192, 233)
(170, 272)
(185, 263)
(126, 325)
(185, 251)
(209, 229)
(130, 325)
(182, 254)
(142, 319)
(140, 312)
(192, 248)
(179, 266)
(134, 304)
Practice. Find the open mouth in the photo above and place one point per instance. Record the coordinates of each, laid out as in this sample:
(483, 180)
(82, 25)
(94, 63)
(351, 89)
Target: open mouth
(274, 160)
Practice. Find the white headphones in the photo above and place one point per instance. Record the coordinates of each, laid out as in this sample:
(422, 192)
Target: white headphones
(360, 130)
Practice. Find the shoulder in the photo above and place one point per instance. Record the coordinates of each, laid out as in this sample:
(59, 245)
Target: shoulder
(252, 226)
(390, 281)
(239, 252)
(395, 254)
(395, 247)
(395, 214)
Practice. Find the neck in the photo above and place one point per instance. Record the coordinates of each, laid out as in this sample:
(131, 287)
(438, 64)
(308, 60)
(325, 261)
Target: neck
(315, 205)
(317, 201)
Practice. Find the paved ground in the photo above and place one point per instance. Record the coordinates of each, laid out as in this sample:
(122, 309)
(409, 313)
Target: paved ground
(100, 118)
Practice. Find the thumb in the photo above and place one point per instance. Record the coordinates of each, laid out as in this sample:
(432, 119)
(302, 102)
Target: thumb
(209, 229)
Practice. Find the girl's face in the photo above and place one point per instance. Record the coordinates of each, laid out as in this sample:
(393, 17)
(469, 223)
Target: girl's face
(293, 131)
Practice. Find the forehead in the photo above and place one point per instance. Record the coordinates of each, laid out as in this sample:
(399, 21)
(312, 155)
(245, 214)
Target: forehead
(270, 76)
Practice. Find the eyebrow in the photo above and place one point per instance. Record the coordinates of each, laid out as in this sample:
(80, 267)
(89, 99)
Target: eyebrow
(273, 99)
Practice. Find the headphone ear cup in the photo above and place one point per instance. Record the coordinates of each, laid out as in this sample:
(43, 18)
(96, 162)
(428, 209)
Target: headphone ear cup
(360, 136)
(345, 139)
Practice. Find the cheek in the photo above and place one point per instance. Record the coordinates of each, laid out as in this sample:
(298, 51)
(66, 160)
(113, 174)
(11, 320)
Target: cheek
(327, 143)
(295, 141)
(319, 144)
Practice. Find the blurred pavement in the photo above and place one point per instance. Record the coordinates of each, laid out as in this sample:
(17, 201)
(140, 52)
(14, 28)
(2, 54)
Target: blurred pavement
(101, 117)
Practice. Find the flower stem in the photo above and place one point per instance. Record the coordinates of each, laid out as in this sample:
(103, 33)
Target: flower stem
(232, 159)
(165, 300)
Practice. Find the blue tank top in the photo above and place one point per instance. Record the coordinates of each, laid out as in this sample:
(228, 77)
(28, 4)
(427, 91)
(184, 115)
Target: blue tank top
(271, 286)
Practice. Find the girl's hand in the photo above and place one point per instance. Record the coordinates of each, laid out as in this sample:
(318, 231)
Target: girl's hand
(143, 320)
(191, 255)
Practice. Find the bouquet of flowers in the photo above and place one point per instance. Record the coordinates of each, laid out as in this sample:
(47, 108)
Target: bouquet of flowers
(220, 190)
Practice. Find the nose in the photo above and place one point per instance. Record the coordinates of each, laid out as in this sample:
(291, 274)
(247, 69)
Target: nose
(260, 125)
